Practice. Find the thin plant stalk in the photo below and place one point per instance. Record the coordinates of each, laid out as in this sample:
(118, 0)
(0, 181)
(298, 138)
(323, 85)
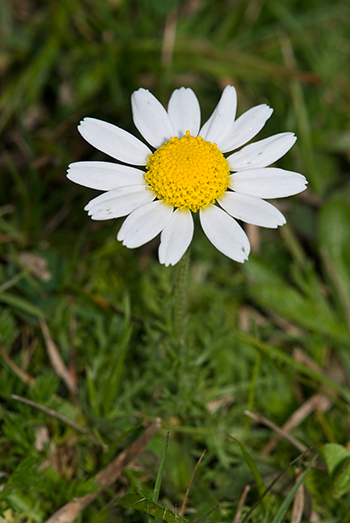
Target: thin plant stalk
(179, 303)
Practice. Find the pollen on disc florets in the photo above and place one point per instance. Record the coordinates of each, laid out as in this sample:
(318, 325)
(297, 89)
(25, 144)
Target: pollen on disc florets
(189, 173)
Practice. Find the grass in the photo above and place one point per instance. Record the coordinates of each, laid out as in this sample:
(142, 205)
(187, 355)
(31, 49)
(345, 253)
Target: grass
(87, 359)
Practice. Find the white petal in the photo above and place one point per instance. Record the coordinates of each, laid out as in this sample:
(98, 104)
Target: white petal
(245, 128)
(150, 118)
(119, 202)
(144, 224)
(114, 141)
(224, 233)
(268, 183)
(262, 153)
(220, 122)
(176, 237)
(104, 175)
(119, 192)
(251, 210)
(184, 112)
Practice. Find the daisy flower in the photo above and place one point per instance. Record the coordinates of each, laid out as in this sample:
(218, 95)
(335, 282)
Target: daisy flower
(187, 170)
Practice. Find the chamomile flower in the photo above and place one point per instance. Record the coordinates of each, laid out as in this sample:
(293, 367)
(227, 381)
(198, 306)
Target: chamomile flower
(188, 170)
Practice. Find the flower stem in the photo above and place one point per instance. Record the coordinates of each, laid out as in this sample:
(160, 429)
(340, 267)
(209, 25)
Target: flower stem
(179, 310)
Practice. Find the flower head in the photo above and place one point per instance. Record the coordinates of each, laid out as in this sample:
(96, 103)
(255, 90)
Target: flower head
(188, 171)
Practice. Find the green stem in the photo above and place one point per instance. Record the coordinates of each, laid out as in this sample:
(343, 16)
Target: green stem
(179, 310)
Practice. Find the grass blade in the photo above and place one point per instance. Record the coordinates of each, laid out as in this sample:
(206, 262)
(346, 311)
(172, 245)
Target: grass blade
(160, 474)
(285, 505)
(254, 470)
(144, 504)
(161, 469)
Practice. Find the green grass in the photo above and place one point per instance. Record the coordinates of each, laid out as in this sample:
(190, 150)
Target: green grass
(265, 336)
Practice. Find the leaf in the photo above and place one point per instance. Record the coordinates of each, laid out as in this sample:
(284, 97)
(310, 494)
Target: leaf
(334, 455)
(112, 379)
(341, 483)
(254, 470)
(285, 505)
(8, 328)
(309, 312)
(313, 315)
(21, 304)
(23, 477)
(161, 469)
(145, 504)
(160, 474)
(276, 355)
(338, 464)
(204, 518)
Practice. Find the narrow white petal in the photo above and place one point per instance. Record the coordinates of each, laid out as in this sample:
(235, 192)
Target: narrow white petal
(150, 118)
(251, 210)
(184, 112)
(176, 237)
(114, 141)
(262, 153)
(224, 233)
(245, 128)
(119, 192)
(119, 202)
(144, 224)
(221, 120)
(104, 176)
(268, 183)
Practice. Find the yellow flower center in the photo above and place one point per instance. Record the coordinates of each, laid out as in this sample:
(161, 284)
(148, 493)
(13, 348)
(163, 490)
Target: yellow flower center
(189, 173)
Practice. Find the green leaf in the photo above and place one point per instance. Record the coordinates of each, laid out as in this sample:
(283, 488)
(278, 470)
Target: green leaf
(278, 356)
(161, 469)
(334, 455)
(160, 473)
(341, 483)
(338, 464)
(21, 304)
(204, 518)
(254, 470)
(286, 503)
(8, 328)
(111, 383)
(23, 477)
(310, 312)
(145, 504)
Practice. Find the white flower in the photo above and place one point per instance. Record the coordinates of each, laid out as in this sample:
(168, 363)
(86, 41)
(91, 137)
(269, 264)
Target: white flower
(187, 172)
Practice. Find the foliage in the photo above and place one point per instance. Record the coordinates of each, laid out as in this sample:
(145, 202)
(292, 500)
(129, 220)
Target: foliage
(271, 336)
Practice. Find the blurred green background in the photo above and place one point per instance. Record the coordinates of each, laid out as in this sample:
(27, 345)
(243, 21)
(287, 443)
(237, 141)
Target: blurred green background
(271, 336)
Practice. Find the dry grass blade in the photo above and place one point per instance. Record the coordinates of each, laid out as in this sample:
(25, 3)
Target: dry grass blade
(183, 506)
(298, 504)
(272, 484)
(254, 235)
(316, 402)
(23, 375)
(106, 477)
(169, 38)
(241, 504)
(56, 359)
(282, 433)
